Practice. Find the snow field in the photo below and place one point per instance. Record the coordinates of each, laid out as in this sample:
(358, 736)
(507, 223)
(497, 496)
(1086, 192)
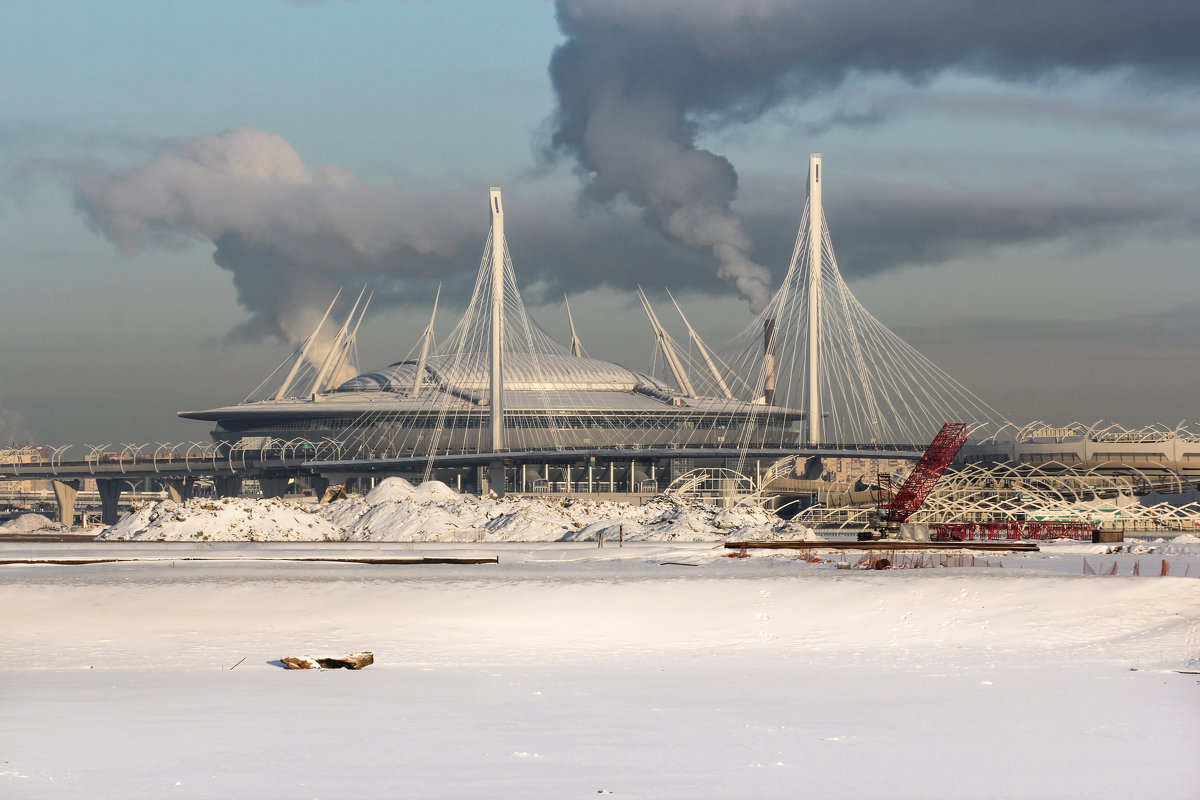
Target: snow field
(199, 615)
(661, 669)
(678, 728)
(566, 670)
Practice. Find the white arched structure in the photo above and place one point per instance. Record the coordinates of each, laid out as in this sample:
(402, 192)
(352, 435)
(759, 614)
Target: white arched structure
(1049, 492)
(716, 486)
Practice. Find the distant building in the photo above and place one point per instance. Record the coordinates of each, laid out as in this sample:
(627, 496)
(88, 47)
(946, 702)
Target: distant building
(14, 490)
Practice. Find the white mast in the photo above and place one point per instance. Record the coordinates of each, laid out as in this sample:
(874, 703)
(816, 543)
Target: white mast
(308, 343)
(347, 343)
(576, 345)
(816, 228)
(428, 336)
(496, 403)
(716, 373)
(335, 349)
(668, 348)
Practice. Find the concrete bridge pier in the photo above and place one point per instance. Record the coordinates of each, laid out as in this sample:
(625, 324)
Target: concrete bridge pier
(110, 496)
(494, 479)
(228, 485)
(318, 483)
(273, 487)
(179, 490)
(64, 494)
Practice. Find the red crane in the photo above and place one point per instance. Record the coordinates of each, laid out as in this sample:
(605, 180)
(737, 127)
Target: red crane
(897, 507)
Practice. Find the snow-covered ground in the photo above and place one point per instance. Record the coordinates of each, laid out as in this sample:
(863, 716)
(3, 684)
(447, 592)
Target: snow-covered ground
(657, 669)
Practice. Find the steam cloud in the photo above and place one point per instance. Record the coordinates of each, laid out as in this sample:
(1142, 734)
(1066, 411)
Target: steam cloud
(635, 81)
(289, 234)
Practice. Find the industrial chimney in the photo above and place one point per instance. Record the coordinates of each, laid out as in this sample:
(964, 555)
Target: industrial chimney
(769, 362)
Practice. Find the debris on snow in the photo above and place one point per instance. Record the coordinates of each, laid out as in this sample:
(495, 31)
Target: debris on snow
(353, 660)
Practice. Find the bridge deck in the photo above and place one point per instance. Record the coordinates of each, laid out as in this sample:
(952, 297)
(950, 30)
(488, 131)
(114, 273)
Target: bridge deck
(246, 465)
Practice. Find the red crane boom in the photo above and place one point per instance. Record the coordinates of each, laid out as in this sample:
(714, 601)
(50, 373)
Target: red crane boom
(925, 474)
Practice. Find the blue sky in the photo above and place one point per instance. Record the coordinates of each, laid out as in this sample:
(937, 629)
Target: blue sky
(1023, 214)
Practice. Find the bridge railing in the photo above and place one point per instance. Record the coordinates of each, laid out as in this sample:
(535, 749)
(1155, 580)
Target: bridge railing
(191, 456)
(247, 454)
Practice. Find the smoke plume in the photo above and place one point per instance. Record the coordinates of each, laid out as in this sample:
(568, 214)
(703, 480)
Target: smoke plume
(636, 82)
(288, 233)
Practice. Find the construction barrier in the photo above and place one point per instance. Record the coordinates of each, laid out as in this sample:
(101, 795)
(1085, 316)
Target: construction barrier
(1013, 529)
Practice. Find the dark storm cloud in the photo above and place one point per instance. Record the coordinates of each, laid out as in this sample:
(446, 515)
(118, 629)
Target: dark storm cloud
(1132, 369)
(877, 226)
(865, 109)
(1134, 114)
(13, 427)
(1169, 334)
(636, 82)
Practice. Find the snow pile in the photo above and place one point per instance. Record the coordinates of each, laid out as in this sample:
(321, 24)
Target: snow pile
(434, 491)
(397, 511)
(1183, 545)
(391, 490)
(409, 520)
(1081, 547)
(226, 519)
(433, 512)
(29, 522)
(610, 531)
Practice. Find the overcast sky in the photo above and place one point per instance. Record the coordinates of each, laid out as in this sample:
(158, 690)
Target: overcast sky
(1011, 187)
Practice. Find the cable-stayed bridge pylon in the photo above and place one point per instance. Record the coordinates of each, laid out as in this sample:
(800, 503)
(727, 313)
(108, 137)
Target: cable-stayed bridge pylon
(816, 348)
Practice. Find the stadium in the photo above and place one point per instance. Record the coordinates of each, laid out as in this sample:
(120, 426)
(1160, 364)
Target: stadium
(433, 414)
(813, 372)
